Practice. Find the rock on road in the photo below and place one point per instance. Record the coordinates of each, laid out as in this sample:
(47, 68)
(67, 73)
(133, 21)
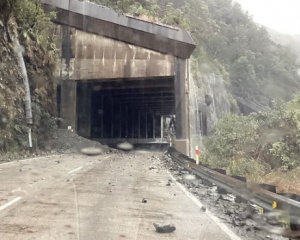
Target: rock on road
(91, 198)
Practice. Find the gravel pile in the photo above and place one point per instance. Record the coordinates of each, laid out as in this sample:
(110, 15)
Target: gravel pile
(62, 142)
(65, 141)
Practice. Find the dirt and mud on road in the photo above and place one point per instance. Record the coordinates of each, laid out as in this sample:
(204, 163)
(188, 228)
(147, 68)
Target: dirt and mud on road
(115, 194)
(111, 196)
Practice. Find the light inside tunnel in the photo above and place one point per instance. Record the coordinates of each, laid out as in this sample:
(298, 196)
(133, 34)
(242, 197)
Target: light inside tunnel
(124, 108)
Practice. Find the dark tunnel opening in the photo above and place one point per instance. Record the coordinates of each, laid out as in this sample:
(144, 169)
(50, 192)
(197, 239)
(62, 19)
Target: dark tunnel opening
(132, 109)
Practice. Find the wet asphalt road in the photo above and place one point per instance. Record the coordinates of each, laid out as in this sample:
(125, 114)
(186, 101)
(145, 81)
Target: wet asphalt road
(89, 198)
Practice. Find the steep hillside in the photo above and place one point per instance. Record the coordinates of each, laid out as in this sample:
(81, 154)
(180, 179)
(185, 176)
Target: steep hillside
(291, 41)
(24, 21)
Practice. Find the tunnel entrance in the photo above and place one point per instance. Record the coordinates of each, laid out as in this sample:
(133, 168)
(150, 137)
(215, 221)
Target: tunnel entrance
(131, 109)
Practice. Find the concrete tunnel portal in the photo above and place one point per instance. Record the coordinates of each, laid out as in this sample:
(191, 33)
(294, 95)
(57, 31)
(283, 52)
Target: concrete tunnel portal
(119, 75)
(131, 109)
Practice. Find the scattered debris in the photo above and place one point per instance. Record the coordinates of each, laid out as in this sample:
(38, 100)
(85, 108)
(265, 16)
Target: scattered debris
(231, 209)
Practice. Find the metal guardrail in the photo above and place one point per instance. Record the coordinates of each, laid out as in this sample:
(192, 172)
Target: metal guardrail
(253, 193)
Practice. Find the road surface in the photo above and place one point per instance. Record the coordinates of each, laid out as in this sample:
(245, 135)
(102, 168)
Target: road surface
(92, 198)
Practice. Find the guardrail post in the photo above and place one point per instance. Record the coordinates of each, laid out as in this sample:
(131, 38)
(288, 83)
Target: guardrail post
(197, 156)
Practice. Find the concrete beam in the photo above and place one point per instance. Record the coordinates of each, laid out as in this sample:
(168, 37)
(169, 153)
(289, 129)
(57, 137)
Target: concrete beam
(91, 57)
(106, 22)
(68, 107)
(146, 101)
(145, 98)
(138, 92)
(181, 106)
(154, 83)
(84, 110)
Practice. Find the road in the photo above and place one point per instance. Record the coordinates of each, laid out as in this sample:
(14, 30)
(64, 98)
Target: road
(89, 198)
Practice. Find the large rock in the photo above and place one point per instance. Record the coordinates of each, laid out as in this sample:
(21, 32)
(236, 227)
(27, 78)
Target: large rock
(162, 227)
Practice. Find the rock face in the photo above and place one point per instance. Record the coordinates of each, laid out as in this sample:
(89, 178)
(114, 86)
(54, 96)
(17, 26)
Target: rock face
(210, 96)
(209, 102)
(162, 227)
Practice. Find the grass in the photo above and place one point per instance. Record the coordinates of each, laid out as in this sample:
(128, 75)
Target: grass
(288, 182)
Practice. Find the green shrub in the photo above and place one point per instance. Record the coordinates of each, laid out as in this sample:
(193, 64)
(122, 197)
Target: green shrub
(234, 136)
(252, 145)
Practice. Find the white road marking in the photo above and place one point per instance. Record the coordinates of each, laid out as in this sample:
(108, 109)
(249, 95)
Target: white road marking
(227, 230)
(75, 170)
(10, 203)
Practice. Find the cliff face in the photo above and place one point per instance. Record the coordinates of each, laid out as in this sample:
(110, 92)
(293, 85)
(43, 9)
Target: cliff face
(209, 102)
(11, 97)
(214, 86)
(13, 124)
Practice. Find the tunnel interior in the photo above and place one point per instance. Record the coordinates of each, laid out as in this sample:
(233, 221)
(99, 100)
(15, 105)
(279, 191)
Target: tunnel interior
(131, 109)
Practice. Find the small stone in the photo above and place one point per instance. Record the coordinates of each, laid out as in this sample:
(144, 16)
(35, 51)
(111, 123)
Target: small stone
(144, 200)
(228, 212)
(168, 184)
(164, 227)
(68, 180)
(203, 209)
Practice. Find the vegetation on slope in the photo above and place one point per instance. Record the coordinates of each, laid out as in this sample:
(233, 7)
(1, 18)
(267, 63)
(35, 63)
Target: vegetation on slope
(291, 41)
(25, 20)
(257, 144)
